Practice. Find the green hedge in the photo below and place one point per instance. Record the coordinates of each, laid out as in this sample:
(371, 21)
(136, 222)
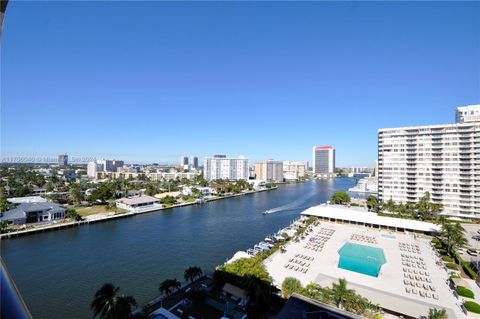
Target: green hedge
(472, 306)
(468, 270)
(451, 266)
(454, 276)
(436, 241)
(447, 259)
(464, 292)
(442, 251)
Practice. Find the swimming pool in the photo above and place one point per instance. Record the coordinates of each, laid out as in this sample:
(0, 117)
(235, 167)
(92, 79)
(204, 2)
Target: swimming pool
(362, 259)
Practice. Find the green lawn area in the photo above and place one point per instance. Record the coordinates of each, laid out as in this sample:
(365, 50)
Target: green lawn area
(97, 209)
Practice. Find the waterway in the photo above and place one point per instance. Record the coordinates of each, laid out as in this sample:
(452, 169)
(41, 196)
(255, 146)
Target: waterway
(58, 272)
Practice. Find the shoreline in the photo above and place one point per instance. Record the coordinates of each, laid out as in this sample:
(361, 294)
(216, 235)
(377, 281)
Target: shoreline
(60, 226)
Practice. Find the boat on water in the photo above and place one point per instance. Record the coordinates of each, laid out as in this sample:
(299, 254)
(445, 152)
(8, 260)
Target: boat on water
(268, 211)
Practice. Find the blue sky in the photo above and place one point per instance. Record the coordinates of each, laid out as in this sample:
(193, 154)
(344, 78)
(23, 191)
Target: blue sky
(150, 81)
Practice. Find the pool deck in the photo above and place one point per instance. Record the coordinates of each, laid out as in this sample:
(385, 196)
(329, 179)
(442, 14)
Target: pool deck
(388, 289)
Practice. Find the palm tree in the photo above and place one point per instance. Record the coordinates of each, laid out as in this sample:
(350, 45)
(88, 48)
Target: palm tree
(437, 314)
(103, 300)
(123, 307)
(191, 273)
(340, 293)
(175, 284)
(107, 305)
(166, 286)
(454, 236)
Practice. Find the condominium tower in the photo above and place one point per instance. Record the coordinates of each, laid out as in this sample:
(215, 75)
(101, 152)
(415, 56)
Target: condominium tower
(269, 171)
(221, 167)
(324, 160)
(443, 160)
(63, 159)
(294, 170)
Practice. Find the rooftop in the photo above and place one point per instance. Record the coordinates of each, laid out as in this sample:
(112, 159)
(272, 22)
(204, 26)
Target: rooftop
(355, 215)
(138, 200)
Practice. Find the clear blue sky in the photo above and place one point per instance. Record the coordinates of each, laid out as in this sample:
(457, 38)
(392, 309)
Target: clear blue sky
(151, 81)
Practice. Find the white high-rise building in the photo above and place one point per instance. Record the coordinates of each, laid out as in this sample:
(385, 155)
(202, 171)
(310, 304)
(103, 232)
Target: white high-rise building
(324, 161)
(443, 160)
(294, 170)
(100, 166)
(269, 171)
(467, 114)
(221, 167)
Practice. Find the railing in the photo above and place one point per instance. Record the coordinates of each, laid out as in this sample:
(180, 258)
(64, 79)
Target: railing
(12, 304)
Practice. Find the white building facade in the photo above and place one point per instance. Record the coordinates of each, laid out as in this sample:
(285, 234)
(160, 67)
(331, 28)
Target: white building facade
(102, 166)
(467, 114)
(324, 161)
(221, 167)
(443, 160)
(292, 171)
(269, 171)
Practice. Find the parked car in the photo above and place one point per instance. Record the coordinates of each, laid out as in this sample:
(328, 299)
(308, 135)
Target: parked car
(459, 251)
(476, 237)
(472, 252)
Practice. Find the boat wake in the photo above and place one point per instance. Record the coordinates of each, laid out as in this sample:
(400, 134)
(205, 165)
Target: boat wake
(296, 204)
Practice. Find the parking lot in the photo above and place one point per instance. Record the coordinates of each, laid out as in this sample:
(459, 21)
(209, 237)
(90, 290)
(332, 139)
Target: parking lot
(470, 231)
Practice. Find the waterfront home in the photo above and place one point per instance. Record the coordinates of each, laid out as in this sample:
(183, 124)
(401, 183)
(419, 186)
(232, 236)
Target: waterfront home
(257, 183)
(133, 203)
(204, 191)
(33, 212)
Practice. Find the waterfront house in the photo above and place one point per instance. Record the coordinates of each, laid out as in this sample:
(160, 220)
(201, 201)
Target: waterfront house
(133, 203)
(33, 212)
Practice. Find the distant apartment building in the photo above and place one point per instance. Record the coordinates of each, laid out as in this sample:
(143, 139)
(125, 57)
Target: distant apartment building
(63, 159)
(193, 162)
(443, 160)
(467, 114)
(184, 162)
(324, 161)
(292, 171)
(159, 176)
(269, 171)
(103, 166)
(221, 167)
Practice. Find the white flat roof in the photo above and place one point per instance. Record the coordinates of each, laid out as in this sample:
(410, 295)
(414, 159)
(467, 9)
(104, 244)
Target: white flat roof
(144, 199)
(355, 215)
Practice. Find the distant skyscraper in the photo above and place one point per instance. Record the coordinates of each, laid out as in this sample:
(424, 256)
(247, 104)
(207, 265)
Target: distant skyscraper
(183, 161)
(324, 160)
(63, 159)
(467, 114)
(194, 162)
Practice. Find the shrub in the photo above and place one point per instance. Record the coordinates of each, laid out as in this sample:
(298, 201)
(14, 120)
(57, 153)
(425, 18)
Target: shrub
(472, 306)
(464, 292)
(447, 259)
(290, 285)
(341, 198)
(451, 266)
(454, 276)
(468, 270)
(442, 251)
(436, 241)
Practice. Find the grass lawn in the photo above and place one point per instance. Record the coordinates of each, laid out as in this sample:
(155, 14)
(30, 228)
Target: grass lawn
(97, 209)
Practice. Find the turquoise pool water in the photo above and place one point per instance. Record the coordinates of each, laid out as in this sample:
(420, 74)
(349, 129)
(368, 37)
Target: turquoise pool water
(362, 259)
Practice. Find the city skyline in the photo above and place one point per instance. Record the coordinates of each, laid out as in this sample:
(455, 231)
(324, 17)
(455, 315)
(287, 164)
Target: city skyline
(344, 78)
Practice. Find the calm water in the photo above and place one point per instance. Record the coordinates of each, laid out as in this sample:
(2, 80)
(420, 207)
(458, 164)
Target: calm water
(58, 272)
